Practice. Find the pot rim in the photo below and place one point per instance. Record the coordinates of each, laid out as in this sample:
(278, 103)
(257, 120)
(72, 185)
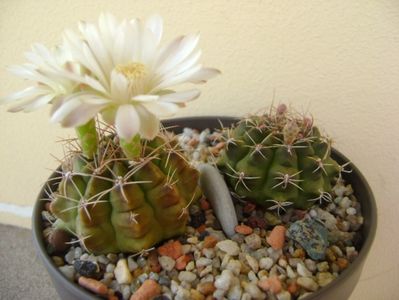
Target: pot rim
(357, 263)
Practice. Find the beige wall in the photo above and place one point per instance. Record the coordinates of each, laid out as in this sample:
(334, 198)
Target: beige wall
(339, 59)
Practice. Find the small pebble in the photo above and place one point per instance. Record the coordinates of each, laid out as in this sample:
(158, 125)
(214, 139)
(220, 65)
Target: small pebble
(272, 283)
(132, 265)
(122, 273)
(253, 241)
(206, 288)
(68, 271)
(252, 262)
(307, 283)
(86, 268)
(224, 280)
(324, 278)
(266, 263)
(303, 271)
(93, 285)
(167, 263)
(243, 229)
(229, 246)
(148, 290)
(351, 211)
(187, 276)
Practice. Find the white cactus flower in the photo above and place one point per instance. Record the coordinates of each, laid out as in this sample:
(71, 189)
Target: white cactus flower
(118, 70)
(130, 74)
(50, 71)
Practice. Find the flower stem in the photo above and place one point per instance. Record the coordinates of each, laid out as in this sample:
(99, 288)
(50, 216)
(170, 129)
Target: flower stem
(87, 135)
(132, 148)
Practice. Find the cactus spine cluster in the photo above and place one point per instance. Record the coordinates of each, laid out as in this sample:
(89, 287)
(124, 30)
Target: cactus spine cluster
(278, 160)
(114, 204)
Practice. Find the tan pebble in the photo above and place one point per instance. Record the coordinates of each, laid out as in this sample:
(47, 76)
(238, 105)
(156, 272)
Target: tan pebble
(206, 288)
(148, 290)
(330, 255)
(243, 229)
(210, 241)
(273, 284)
(277, 237)
(196, 295)
(299, 253)
(93, 285)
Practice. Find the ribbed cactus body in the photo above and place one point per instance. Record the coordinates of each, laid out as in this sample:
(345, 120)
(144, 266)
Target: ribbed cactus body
(278, 160)
(112, 204)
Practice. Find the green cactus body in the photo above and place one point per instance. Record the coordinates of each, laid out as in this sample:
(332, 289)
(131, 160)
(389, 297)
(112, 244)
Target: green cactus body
(278, 160)
(112, 204)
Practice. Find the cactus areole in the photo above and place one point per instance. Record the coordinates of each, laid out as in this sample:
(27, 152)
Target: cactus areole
(114, 204)
(279, 160)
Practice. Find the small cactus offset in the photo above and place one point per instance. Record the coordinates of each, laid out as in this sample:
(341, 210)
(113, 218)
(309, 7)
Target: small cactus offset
(114, 204)
(278, 160)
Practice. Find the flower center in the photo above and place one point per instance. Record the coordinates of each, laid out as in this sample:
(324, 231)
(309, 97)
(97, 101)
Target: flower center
(132, 71)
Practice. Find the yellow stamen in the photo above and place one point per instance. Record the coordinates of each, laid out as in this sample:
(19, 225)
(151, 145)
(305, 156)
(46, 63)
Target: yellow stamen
(132, 71)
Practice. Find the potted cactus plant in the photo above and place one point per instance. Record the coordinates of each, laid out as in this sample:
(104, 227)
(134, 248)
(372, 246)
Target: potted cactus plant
(127, 215)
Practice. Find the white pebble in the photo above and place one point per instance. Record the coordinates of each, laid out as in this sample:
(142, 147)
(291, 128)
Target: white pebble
(234, 266)
(345, 203)
(225, 261)
(266, 263)
(122, 273)
(224, 280)
(203, 262)
(252, 262)
(235, 292)
(219, 294)
(253, 241)
(303, 271)
(284, 295)
(313, 213)
(351, 211)
(205, 271)
(187, 276)
(252, 276)
(229, 246)
(190, 266)
(307, 283)
(254, 291)
(167, 263)
(209, 252)
(290, 272)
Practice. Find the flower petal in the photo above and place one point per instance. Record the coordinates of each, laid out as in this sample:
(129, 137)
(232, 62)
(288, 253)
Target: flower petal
(149, 123)
(145, 98)
(203, 75)
(155, 24)
(33, 104)
(127, 121)
(181, 97)
(177, 54)
(74, 112)
(119, 87)
(28, 92)
(161, 109)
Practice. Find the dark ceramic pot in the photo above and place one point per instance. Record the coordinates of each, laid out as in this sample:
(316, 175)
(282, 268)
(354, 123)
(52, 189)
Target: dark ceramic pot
(341, 288)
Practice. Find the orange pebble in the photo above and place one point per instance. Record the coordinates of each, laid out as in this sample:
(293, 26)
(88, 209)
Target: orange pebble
(277, 237)
(148, 290)
(272, 283)
(210, 241)
(293, 288)
(172, 249)
(243, 229)
(204, 204)
(182, 262)
(93, 285)
(202, 228)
